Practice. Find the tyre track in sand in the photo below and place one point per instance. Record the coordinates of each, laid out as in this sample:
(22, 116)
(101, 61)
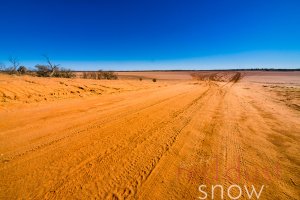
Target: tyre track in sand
(129, 157)
(195, 150)
(73, 130)
(86, 152)
(132, 145)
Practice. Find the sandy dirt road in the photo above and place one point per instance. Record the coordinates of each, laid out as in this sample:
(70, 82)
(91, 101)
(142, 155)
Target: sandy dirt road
(153, 143)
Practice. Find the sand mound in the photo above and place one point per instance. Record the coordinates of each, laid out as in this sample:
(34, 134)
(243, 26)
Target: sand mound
(28, 89)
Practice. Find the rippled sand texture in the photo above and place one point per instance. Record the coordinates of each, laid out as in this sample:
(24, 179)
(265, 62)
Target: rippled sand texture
(132, 139)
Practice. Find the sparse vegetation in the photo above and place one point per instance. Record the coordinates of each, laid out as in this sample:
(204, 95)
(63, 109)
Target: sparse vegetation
(22, 70)
(46, 71)
(42, 70)
(90, 75)
(53, 70)
(51, 67)
(154, 79)
(64, 73)
(108, 75)
(140, 79)
(14, 65)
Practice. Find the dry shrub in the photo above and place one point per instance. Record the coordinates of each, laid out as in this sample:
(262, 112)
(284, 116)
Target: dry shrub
(108, 75)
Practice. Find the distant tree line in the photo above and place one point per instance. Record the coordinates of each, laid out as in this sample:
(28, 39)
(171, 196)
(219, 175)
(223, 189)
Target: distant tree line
(264, 69)
(52, 70)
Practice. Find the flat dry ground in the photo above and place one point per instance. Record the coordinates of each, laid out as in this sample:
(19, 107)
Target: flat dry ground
(75, 138)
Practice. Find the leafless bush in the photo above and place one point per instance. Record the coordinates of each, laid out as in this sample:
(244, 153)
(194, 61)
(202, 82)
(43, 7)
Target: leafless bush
(53, 70)
(64, 73)
(43, 70)
(68, 73)
(22, 70)
(14, 65)
(89, 75)
(100, 75)
(47, 70)
(109, 75)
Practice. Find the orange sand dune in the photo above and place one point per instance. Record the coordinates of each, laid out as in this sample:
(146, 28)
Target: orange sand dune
(131, 139)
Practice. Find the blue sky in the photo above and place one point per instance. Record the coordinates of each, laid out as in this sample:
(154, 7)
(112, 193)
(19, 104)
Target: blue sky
(152, 34)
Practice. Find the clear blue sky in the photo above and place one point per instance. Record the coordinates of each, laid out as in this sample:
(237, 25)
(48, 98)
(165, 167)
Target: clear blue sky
(152, 34)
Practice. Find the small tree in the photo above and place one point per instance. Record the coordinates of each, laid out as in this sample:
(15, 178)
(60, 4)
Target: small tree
(52, 67)
(14, 61)
(47, 70)
(154, 80)
(42, 70)
(22, 70)
(14, 65)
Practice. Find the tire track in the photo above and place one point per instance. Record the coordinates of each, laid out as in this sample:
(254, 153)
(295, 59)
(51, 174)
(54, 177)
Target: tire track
(135, 147)
(96, 125)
